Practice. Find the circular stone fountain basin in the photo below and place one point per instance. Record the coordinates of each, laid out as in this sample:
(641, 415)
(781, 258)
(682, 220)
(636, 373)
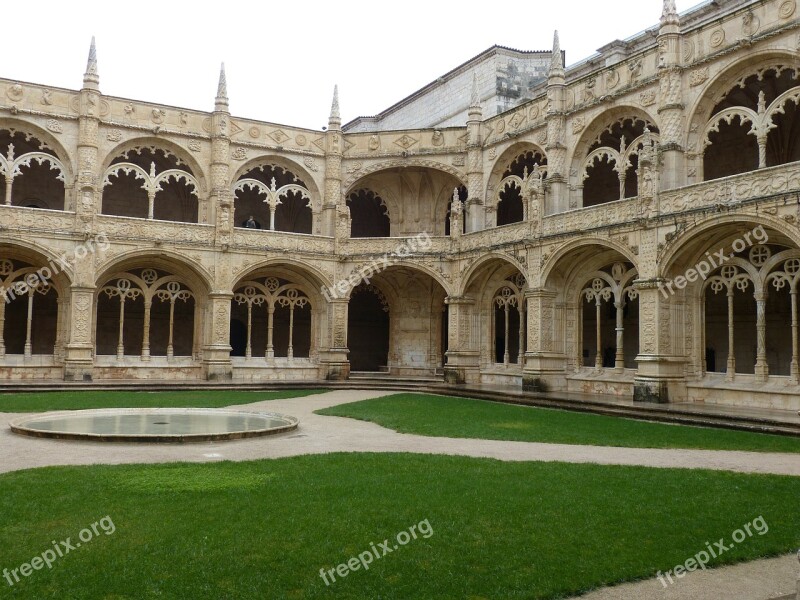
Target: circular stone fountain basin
(173, 425)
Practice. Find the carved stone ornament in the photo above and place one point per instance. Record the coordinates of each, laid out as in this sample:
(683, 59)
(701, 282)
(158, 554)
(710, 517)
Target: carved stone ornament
(787, 9)
(698, 76)
(15, 92)
(647, 98)
(717, 38)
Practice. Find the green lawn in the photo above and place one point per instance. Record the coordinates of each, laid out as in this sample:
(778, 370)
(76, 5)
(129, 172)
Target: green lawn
(265, 529)
(441, 416)
(44, 401)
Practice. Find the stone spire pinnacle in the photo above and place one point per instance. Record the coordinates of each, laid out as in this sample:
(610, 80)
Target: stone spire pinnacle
(335, 120)
(91, 79)
(221, 102)
(669, 15)
(475, 99)
(335, 104)
(557, 62)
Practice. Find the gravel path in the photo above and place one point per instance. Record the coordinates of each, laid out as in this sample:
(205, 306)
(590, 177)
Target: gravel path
(759, 580)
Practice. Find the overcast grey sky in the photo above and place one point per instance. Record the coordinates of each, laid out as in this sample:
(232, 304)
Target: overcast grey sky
(282, 59)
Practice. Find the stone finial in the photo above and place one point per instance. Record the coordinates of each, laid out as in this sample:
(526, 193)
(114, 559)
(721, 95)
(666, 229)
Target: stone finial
(669, 16)
(335, 104)
(335, 120)
(221, 102)
(91, 79)
(557, 61)
(475, 99)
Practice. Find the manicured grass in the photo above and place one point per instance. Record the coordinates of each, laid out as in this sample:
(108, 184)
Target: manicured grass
(265, 529)
(441, 416)
(44, 401)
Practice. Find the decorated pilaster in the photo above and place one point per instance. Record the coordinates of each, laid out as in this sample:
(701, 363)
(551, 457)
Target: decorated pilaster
(217, 353)
(463, 358)
(647, 176)
(476, 216)
(544, 367)
(335, 211)
(557, 180)
(221, 195)
(334, 363)
(671, 108)
(78, 355)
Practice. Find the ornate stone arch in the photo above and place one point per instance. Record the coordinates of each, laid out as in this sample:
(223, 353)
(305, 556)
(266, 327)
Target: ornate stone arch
(468, 275)
(560, 252)
(600, 123)
(306, 275)
(196, 276)
(164, 144)
(677, 248)
(296, 168)
(362, 172)
(504, 160)
(47, 138)
(717, 87)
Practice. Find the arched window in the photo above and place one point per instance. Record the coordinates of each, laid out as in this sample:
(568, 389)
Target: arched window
(610, 170)
(28, 310)
(272, 197)
(145, 312)
(271, 318)
(610, 319)
(150, 183)
(755, 125)
(369, 215)
(516, 185)
(31, 174)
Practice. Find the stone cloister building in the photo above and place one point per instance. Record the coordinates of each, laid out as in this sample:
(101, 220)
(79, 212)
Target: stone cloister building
(633, 229)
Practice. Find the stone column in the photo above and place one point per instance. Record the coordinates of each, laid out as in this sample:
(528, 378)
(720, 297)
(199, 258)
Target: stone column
(660, 376)
(671, 108)
(545, 365)
(463, 358)
(333, 354)
(88, 190)
(221, 197)
(79, 348)
(476, 216)
(557, 169)
(217, 350)
(334, 208)
(79, 351)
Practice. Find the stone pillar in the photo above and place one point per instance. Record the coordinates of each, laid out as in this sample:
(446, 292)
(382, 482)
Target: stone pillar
(660, 376)
(79, 348)
(87, 188)
(557, 169)
(671, 108)
(217, 350)
(221, 197)
(333, 355)
(477, 218)
(79, 351)
(334, 202)
(545, 365)
(463, 358)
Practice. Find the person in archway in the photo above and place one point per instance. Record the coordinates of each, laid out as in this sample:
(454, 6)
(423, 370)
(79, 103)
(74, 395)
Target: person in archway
(251, 223)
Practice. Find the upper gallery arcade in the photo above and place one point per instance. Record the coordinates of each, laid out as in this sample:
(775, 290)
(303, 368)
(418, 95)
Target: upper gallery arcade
(564, 235)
